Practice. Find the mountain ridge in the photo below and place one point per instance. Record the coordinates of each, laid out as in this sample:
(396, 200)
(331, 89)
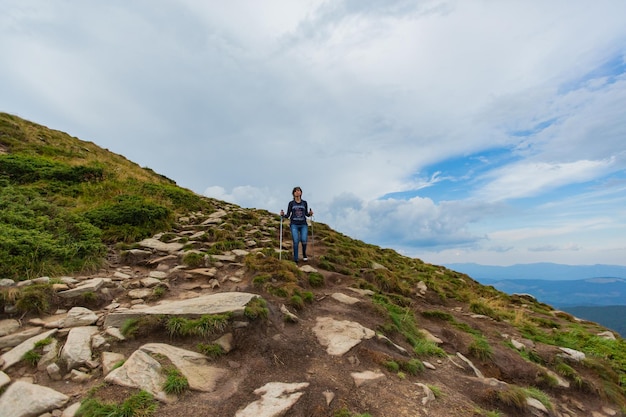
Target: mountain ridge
(539, 270)
(432, 341)
(581, 292)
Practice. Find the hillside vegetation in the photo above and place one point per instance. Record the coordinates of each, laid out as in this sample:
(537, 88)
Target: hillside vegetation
(69, 207)
(62, 200)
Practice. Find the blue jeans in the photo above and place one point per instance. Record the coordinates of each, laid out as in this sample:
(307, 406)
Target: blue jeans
(299, 233)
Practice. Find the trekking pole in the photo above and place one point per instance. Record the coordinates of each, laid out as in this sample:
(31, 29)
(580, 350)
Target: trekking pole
(280, 249)
(312, 219)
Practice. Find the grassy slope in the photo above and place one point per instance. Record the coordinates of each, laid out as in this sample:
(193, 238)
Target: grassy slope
(63, 199)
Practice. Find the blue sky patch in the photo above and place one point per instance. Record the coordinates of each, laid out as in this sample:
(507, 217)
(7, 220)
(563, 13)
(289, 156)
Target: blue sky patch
(455, 178)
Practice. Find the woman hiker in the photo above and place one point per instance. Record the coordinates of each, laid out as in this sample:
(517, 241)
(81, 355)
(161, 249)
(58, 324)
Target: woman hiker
(297, 212)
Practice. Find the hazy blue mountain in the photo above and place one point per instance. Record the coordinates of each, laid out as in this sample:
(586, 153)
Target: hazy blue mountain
(584, 292)
(546, 271)
(592, 292)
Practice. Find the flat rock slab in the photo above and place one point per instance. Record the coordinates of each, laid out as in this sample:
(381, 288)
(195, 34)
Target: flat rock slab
(195, 366)
(366, 377)
(224, 302)
(80, 316)
(15, 355)
(92, 285)
(157, 245)
(144, 372)
(276, 399)
(345, 299)
(15, 339)
(77, 349)
(4, 379)
(8, 326)
(339, 336)
(23, 399)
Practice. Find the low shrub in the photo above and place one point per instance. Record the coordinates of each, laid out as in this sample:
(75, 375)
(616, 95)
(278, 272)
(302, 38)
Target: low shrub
(34, 298)
(130, 218)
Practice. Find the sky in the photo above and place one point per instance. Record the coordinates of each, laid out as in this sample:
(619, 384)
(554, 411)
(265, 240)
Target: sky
(486, 131)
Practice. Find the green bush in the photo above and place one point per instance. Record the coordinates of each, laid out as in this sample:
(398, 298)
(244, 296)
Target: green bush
(34, 299)
(38, 238)
(130, 218)
(23, 169)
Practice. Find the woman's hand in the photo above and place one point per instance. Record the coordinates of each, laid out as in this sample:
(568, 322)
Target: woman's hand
(282, 213)
(310, 212)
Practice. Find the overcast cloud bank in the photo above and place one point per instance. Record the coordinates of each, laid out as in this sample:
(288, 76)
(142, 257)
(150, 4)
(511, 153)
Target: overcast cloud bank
(488, 132)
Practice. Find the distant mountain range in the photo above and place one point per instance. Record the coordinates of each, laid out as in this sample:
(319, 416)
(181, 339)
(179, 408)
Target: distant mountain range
(591, 292)
(582, 292)
(555, 284)
(545, 270)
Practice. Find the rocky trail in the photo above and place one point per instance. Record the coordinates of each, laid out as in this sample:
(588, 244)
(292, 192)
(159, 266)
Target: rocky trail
(325, 358)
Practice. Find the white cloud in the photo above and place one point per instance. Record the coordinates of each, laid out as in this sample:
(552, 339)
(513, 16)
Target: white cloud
(527, 179)
(352, 100)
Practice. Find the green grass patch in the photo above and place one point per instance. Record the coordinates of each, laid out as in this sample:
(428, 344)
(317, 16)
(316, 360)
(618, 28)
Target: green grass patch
(316, 280)
(194, 259)
(175, 382)
(438, 314)
(480, 348)
(31, 357)
(141, 404)
(212, 350)
(203, 326)
(425, 348)
(256, 308)
(539, 395)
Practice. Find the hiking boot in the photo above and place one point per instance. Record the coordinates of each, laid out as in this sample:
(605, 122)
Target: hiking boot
(305, 259)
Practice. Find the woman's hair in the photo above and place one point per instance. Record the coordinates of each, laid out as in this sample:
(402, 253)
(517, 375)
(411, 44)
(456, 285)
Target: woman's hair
(295, 189)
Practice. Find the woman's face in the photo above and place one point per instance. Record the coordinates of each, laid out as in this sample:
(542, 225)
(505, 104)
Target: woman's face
(297, 192)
